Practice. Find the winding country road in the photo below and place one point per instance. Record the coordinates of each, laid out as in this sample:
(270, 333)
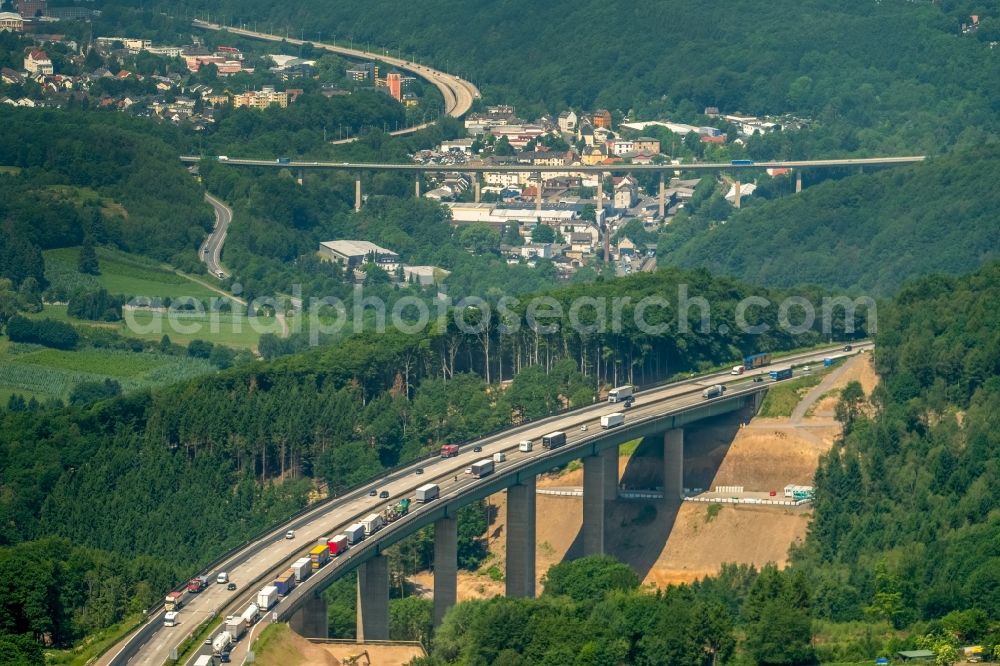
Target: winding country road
(210, 251)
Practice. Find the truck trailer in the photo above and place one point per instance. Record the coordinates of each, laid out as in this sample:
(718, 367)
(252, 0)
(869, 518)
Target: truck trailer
(713, 391)
(355, 533)
(285, 583)
(302, 568)
(250, 615)
(553, 439)
(778, 375)
(267, 597)
(174, 600)
(221, 644)
(612, 420)
(372, 524)
(236, 628)
(482, 468)
(525, 446)
(428, 492)
(756, 361)
(499, 457)
(621, 393)
(319, 555)
(204, 660)
(337, 544)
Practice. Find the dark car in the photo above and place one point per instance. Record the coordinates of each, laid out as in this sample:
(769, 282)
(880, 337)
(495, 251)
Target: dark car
(372, 493)
(419, 470)
(848, 347)
(384, 494)
(231, 587)
(477, 449)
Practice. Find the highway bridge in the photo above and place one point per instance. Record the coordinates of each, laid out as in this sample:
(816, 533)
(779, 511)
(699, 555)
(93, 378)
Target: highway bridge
(474, 169)
(660, 411)
(458, 94)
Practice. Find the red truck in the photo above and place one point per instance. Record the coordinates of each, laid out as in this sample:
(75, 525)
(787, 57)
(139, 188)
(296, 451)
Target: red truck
(196, 585)
(449, 450)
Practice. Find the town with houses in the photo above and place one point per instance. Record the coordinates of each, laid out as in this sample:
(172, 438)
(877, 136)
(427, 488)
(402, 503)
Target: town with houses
(555, 216)
(56, 70)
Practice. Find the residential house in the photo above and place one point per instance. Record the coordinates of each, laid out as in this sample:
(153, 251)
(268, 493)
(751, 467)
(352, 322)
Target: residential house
(37, 62)
(11, 22)
(567, 121)
(585, 133)
(625, 192)
(626, 248)
(602, 135)
(593, 155)
(712, 111)
(10, 77)
(365, 71)
(602, 118)
(621, 146)
(581, 243)
(261, 99)
(645, 144)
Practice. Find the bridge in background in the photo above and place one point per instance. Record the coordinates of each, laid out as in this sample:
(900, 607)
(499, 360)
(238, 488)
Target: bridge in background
(358, 168)
(662, 411)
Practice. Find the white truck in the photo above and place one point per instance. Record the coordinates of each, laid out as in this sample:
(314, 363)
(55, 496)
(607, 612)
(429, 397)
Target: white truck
(267, 597)
(170, 619)
(499, 457)
(372, 524)
(355, 533)
(482, 468)
(713, 391)
(524, 446)
(428, 492)
(236, 627)
(302, 568)
(612, 420)
(221, 645)
(621, 393)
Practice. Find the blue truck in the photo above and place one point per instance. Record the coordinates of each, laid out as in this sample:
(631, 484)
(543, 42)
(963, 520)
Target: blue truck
(756, 361)
(778, 375)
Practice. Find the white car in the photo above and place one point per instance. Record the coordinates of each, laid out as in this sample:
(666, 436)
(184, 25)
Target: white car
(290, 534)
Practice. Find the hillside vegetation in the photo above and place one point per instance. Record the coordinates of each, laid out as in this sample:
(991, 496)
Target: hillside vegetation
(869, 232)
(890, 76)
(168, 471)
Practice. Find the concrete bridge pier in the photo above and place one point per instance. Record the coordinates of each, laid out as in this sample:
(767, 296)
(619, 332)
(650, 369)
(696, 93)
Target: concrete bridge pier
(311, 620)
(521, 539)
(798, 181)
(416, 186)
(445, 567)
(663, 197)
(373, 600)
(673, 464)
(736, 197)
(300, 177)
(609, 458)
(357, 194)
(538, 199)
(593, 505)
(475, 187)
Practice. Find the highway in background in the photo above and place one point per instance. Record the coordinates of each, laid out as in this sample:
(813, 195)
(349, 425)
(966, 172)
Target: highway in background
(458, 93)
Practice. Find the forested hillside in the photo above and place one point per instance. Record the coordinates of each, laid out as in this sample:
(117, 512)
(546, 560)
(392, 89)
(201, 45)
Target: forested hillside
(890, 76)
(140, 479)
(864, 232)
(907, 512)
(160, 212)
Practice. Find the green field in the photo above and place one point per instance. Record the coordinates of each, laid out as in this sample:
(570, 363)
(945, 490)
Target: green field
(232, 330)
(121, 273)
(42, 373)
(783, 396)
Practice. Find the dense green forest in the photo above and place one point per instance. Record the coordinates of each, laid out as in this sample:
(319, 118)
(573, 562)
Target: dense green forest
(893, 76)
(869, 232)
(126, 189)
(333, 416)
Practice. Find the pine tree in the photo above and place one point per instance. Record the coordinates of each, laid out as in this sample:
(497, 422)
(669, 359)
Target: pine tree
(88, 258)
